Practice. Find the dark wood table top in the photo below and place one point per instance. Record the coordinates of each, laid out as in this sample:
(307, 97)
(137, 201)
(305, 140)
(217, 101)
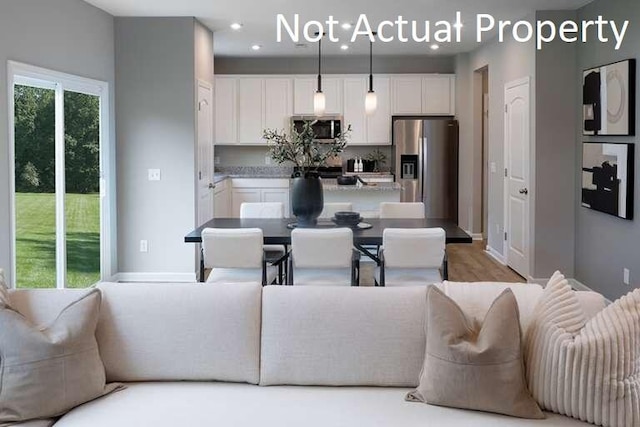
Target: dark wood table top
(276, 231)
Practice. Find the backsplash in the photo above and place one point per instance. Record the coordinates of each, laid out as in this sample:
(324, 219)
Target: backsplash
(255, 171)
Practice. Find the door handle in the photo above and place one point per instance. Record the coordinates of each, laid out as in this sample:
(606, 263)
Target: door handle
(212, 186)
(524, 191)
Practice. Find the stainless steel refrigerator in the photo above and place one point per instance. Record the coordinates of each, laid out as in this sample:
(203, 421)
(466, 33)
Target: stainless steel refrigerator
(426, 163)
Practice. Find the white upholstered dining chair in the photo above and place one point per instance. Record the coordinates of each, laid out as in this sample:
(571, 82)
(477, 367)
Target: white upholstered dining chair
(235, 255)
(323, 257)
(392, 210)
(412, 257)
(274, 254)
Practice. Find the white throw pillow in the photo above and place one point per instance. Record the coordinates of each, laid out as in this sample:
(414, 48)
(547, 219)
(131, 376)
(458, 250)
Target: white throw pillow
(46, 372)
(588, 370)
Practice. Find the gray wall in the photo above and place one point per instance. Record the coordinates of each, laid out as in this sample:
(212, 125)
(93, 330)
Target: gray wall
(62, 35)
(506, 62)
(604, 244)
(555, 151)
(336, 65)
(155, 102)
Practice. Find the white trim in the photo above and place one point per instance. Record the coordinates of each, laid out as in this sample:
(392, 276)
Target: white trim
(25, 74)
(477, 236)
(495, 255)
(154, 277)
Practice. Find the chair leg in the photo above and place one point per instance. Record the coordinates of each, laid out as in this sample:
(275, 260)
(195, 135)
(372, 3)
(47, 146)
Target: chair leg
(445, 266)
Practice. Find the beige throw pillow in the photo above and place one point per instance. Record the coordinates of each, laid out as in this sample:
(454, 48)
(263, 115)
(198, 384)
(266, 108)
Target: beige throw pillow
(589, 370)
(476, 367)
(45, 373)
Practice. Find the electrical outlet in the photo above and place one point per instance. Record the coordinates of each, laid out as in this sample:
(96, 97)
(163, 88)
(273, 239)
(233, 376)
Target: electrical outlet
(627, 276)
(154, 174)
(267, 160)
(216, 160)
(144, 246)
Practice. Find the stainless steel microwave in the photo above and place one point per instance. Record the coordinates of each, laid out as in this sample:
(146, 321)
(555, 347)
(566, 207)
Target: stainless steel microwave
(325, 128)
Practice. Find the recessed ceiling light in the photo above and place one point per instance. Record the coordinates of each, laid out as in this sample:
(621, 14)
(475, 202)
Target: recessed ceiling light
(344, 47)
(256, 47)
(435, 47)
(346, 25)
(236, 26)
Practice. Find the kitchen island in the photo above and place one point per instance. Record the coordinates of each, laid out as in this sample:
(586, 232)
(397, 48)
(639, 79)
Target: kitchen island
(366, 199)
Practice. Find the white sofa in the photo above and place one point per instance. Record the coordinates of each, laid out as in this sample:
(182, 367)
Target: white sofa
(240, 355)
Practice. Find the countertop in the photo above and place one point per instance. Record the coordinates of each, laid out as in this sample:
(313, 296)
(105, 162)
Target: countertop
(327, 184)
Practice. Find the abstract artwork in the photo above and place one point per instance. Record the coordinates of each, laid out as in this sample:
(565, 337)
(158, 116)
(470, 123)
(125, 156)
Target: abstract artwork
(607, 178)
(608, 98)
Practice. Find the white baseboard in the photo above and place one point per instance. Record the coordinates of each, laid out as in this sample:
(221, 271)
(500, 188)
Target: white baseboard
(495, 255)
(154, 277)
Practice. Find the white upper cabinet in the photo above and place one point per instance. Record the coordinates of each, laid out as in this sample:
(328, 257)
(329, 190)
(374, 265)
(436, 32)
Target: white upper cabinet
(379, 123)
(407, 94)
(226, 124)
(305, 87)
(355, 90)
(245, 105)
(277, 103)
(439, 94)
(250, 110)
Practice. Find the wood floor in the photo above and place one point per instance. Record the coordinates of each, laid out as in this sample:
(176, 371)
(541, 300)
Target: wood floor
(467, 263)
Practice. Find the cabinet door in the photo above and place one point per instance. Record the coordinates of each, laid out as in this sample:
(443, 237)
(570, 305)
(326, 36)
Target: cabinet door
(407, 95)
(303, 90)
(277, 195)
(277, 102)
(438, 94)
(242, 195)
(332, 88)
(379, 123)
(305, 87)
(226, 124)
(221, 204)
(355, 91)
(250, 107)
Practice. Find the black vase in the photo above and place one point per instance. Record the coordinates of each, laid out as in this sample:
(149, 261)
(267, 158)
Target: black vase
(307, 200)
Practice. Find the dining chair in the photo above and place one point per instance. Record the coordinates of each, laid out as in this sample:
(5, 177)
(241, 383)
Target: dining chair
(235, 255)
(274, 254)
(323, 257)
(330, 209)
(392, 210)
(412, 257)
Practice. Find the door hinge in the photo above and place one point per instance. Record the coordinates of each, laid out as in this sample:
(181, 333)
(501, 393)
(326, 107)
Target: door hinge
(199, 174)
(505, 235)
(506, 108)
(505, 173)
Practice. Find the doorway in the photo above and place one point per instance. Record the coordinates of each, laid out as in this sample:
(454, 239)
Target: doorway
(60, 223)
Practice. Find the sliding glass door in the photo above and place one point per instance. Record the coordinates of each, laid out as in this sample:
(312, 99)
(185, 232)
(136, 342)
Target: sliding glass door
(59, 212)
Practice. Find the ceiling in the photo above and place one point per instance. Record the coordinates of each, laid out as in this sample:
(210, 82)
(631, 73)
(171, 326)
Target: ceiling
(258, 18)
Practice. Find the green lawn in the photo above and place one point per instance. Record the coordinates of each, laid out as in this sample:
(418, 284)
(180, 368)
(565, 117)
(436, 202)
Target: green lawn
(36, 240)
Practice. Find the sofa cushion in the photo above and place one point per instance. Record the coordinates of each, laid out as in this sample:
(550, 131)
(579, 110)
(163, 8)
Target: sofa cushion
(45, 372)
(244, 405)
(586, 369)
(475, 365)
(180, 331)
(342, 335)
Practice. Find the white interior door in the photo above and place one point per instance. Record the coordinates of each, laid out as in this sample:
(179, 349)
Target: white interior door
(517, 142)
(205, 152)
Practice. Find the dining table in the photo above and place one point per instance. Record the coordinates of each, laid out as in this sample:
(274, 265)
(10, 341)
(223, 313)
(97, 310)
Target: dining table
(277, 231)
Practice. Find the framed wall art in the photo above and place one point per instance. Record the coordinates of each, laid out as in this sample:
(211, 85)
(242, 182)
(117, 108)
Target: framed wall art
(607, 178)
(609, 99)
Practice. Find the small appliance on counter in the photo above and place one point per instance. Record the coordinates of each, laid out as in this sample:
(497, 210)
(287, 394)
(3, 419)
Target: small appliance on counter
(359, 165)
(325, 128)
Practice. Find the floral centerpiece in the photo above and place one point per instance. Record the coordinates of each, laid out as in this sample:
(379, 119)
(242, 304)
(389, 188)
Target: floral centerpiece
(301, 148)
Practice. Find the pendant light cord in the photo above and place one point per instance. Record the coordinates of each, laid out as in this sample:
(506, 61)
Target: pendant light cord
(319, 64)
(370, 66)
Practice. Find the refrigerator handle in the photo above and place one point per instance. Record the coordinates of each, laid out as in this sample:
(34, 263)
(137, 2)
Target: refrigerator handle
(423, 166)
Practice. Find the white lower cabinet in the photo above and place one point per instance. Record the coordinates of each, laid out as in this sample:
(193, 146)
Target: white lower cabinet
(250, 190)
(222, 200)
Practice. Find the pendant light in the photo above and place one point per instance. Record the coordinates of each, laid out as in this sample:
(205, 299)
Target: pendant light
(319, 101)
(371, 100)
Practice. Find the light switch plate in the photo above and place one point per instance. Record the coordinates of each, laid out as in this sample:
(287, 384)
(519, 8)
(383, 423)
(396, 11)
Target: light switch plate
(216, 160)
(144, 246)
(626, 276)
(493, 167)
(154, 174)
(267, 160)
